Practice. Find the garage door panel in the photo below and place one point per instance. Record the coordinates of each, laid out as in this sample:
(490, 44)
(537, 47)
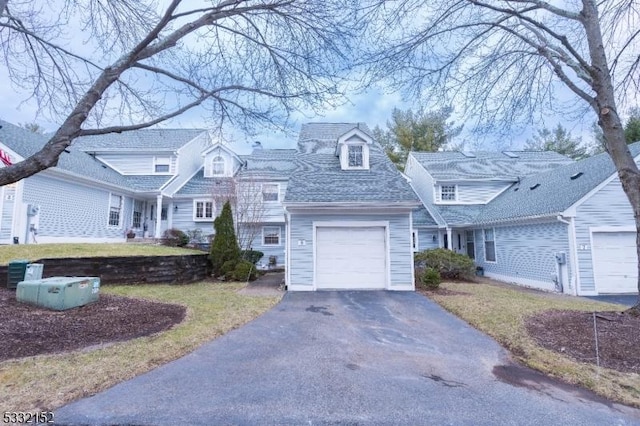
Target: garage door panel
(351, 258)
(615, 262)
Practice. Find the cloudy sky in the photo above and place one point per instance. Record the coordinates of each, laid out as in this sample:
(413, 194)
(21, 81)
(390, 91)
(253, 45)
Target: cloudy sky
(373, 107)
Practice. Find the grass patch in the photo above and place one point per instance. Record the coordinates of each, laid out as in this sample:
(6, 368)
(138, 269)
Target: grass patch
(501, 311)
(49, 251)
(49, 381)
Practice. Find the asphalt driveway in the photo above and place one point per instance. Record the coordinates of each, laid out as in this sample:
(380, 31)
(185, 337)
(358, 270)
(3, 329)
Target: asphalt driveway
(347, 358)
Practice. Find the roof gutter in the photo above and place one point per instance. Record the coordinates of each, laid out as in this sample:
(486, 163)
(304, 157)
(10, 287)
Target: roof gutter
(332, 205)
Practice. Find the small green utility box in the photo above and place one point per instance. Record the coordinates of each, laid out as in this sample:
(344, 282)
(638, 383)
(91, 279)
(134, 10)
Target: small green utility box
(59, 293)
(15, 272)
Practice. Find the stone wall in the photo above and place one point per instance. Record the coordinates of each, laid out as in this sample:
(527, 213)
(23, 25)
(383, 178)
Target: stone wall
(126, 270)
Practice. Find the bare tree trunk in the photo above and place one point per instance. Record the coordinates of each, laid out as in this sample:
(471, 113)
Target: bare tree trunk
(609, 120)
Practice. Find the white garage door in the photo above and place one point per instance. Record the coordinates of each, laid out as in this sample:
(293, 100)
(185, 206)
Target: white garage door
(351, 258)
(615, 262)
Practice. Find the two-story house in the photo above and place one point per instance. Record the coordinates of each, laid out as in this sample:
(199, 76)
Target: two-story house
(533, 218)
(334, 211)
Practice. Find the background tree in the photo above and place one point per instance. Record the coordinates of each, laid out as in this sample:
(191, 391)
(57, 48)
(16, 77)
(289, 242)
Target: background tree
(559, 140)
(416, 131)
(632, 126)
(137, 63)
(244, 194)
(33, 127)
(224, 246)
(503, 61)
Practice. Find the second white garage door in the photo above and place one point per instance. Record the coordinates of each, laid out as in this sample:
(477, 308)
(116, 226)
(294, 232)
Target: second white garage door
(615, 262)
(351, 258)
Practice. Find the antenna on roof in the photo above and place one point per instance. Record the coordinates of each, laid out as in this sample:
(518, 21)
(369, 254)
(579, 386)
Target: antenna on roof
(257, 145)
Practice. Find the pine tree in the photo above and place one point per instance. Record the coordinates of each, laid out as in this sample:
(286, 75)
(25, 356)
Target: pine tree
(559, 140)
(632, 127)
(225, 244)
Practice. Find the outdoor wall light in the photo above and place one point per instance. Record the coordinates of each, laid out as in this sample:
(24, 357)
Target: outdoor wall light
(434, 238)
(175, 209)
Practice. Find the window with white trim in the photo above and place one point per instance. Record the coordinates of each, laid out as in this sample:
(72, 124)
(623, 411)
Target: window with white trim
(271, 236)
(270, 192)
(162, 165)
(202, 210)
(355, 156)
(447, 192)
(137, 214)
(489, 245)
(115, 208)
(471, 244)
(217, 166)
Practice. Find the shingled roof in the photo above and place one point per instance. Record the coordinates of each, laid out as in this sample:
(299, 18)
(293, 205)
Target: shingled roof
(26, 143)
(139, 140)
(488, 165)
(551, 192)
(318, 177)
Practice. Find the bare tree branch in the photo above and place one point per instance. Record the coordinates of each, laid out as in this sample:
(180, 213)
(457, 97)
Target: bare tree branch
(243, 61)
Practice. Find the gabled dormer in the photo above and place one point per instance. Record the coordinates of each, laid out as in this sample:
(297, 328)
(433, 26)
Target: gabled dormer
(353, 150)
(220, 161)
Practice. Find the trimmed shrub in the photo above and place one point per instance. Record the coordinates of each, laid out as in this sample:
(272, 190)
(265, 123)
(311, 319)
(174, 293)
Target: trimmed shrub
(175, 238)
(430, 278)
(224, 246)
(245, 271)
(227, 269)
(252, 256)
(449, 264)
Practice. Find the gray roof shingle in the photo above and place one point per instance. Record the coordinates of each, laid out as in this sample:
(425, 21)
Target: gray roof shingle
(139, 140)
(26, 143)
(422, 218)
(200, 185)
(556, 191)
(488, 165)
(269, 164)
(319, 179)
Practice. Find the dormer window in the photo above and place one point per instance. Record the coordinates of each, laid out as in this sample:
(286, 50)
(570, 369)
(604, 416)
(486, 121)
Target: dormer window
(162, 165)
(270, 192)
(447, 193)
(355, 156)
(217, 166)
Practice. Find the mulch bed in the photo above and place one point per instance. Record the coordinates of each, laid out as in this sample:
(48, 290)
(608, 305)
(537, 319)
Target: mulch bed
(572, 333)
(27, 330)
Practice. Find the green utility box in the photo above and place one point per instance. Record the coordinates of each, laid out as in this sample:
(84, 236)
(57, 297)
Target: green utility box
(59, 293)
(15, 272)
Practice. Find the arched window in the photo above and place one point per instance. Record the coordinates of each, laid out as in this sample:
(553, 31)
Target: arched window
(217, 166)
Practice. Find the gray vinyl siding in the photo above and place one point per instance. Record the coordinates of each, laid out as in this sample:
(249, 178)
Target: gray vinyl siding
(425, 239)
(70, 209)
(183, 218)
(301, 256)
(607, 207)
(526, 251)
(475, 192)
(6, 219)
(135, 164)
(271, 250)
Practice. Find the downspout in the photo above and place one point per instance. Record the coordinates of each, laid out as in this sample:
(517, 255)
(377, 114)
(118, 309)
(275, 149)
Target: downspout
(573, 255)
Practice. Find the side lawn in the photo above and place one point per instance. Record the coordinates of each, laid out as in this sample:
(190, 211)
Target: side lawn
(47, 251)
(49, 381)
(501, 311)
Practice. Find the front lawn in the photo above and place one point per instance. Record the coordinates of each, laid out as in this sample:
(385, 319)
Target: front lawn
(46, 382)
(501, 311)
(47, 251)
